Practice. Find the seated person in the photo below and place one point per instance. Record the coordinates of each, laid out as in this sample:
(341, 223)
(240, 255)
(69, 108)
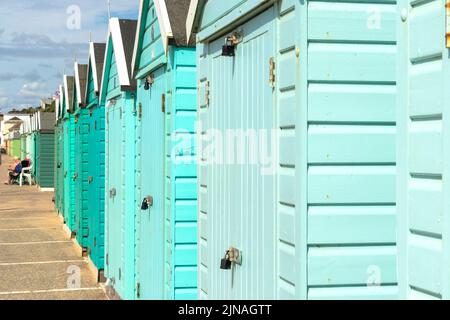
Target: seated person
(14, 170)
(26, 163)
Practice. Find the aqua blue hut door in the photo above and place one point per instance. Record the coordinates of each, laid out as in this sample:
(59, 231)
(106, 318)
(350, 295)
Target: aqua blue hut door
(115, 199)
(237, 204)
(151, 221)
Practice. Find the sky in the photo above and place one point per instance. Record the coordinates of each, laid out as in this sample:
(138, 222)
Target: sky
(40, 40)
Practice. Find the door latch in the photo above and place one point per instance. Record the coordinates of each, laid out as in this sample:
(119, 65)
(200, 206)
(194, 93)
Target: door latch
(229, 49)
(272, 71)
(232, 256)
(112, 193)
(90, 179)
(147, 203)
(75, 176)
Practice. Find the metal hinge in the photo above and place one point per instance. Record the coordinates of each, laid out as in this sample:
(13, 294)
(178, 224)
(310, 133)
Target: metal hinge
(140, 110)
(272, 71)
(207, 93)
(138, 290)
(163, 103)
(107, 259)
(107, 117)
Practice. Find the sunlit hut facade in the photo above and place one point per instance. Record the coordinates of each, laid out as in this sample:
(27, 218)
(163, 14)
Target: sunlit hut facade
(166, 173)
(118, 94)
(423, 179)
(319, 222)
(44, 155)
(59, 152)
(96, 160)
(81, 146)
(69, 153)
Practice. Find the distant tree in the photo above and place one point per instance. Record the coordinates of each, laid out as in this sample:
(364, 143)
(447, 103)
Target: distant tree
(51, 107)
(23, 111)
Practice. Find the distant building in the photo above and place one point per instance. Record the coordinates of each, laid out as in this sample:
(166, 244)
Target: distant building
(10, 126)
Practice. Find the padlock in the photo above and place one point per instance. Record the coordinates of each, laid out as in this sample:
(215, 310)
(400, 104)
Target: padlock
(144, 205)
(225, 263)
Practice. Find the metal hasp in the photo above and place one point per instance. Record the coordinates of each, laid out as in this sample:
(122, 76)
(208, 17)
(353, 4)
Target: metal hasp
(112, 192)
(149, 80)
(232, 256)
(147, 202)
(228, 50)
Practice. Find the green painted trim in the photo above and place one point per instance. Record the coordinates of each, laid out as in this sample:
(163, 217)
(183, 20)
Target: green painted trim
(152, 66)
(92, 104)
(234, 17)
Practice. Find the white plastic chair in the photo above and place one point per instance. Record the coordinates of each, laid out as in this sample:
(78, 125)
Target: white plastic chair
(26, 172)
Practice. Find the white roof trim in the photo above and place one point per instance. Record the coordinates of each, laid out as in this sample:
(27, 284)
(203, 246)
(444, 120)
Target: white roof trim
(164, 22)
(136, 40)
(119, 52)
(164, 26)
(61, 99)
(66, 93)
(93, 65)
(56, 108)
(77, 83)
(38, 120)
(190, 20)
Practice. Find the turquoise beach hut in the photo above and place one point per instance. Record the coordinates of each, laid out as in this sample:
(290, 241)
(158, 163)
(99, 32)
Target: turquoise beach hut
(164, 64)
(308, 91)
(118, 94)
(69, 153)
(81, 146)
(96, 159)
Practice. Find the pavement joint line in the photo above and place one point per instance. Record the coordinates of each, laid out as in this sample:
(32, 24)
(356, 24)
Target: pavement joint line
(4, 293)
(8, 264)
(35, 242)
(23, 229)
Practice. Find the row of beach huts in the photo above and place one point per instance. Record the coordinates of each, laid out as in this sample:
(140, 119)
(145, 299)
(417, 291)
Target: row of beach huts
(261, 149)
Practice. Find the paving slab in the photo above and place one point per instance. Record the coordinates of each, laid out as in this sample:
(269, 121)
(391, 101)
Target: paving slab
(87, 294)
(50, 276)
(38, 252)
(37, 255)
(32, 235)
(19, 223)
(17, 214)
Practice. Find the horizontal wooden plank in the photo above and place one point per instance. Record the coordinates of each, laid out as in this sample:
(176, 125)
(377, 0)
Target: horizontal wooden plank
(351, 184)
(336, 21)
(332, 266)
(354, 293)
(425, 263)
(426, 147)
(351, 103)
(351, 224)
(351, 144)
(351, 62)
(425, 205)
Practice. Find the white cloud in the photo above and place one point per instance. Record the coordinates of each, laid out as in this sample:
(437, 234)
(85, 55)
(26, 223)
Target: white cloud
(34, 89)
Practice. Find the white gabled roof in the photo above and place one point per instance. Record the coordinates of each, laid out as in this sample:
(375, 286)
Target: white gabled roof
(164, 26)
(115, 34)
(190, 21)
(68, 91)
(94, 62)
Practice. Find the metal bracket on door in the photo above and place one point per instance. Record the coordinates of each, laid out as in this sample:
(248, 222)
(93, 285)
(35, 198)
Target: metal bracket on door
(112, 193)
(272, 72)
(207, 93)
